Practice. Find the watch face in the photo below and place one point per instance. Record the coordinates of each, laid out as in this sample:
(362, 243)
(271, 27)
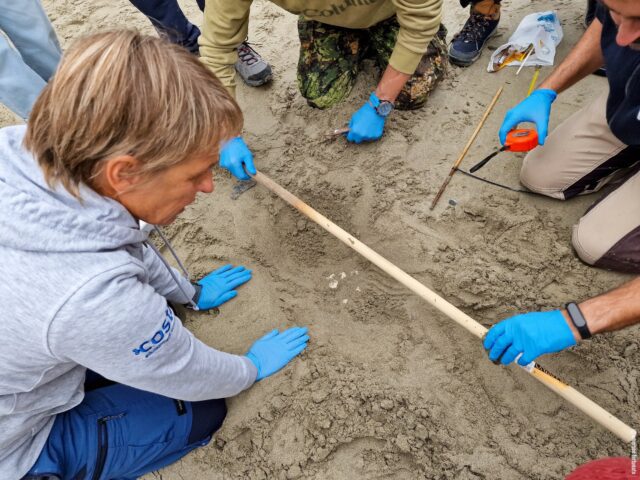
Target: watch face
(384, 108)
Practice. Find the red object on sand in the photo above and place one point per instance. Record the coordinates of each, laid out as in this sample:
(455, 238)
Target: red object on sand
(521, 140)
(518, 140)
(612, 468)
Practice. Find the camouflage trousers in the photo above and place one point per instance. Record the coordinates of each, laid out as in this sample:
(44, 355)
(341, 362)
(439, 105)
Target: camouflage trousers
(330, 58)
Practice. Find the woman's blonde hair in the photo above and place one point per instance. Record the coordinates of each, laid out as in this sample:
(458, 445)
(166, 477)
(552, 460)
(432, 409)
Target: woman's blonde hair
(124, 93)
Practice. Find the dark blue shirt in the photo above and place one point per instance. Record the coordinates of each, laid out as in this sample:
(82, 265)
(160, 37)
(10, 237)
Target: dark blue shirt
(623, 73)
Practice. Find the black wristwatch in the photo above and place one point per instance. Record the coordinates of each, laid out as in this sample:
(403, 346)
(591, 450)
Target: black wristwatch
(578, 320)
(196, 296)
(383, 107)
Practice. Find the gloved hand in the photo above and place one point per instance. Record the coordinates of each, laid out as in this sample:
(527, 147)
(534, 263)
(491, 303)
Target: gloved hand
(235, 155)
(273, 351)
(218, 286)
(536, 108)
(531, 334)
(366, 125)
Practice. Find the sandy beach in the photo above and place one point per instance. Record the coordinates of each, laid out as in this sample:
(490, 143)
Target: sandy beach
(389, 388)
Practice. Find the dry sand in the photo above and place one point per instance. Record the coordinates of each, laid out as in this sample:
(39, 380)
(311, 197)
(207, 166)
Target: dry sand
(388, 387)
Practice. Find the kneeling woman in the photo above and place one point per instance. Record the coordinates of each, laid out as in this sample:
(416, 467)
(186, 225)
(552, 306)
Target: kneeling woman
(98, 377)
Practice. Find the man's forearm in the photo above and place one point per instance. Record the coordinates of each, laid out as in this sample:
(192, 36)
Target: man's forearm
(585, 58)
(614, 310)
(391, 84)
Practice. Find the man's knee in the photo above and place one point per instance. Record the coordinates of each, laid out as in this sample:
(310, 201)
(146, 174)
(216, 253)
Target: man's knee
(328, 62)
(321, 95)
(584, 245)
(622, 255)
(207, 418)
(539, 179)
(430, 71)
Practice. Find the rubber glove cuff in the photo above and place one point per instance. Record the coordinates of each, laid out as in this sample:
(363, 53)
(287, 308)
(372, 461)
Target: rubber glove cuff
(551, 94)
(256, 362)
(546, 93)
(561, 336)
(375, 101)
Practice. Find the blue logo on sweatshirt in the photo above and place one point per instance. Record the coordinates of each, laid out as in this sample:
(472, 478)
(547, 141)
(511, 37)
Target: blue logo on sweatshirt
(151, 345)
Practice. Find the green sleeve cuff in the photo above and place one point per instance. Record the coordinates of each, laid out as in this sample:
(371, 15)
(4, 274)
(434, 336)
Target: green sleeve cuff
(404, 60)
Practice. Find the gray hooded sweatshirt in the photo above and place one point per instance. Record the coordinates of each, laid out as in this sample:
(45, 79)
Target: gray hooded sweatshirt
(82, 290)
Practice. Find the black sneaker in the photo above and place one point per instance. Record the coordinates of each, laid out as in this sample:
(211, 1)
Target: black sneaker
(467, 45)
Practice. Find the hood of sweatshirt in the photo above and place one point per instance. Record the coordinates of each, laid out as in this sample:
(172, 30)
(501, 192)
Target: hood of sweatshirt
(36, 217)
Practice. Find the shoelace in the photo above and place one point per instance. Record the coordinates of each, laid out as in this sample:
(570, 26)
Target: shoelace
(473, 28)
(247, 54)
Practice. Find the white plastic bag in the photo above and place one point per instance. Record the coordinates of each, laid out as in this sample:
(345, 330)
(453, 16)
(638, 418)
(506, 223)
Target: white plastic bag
(541, 29)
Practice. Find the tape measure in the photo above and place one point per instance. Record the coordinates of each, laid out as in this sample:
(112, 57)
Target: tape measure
(518, 140)
(521, 140)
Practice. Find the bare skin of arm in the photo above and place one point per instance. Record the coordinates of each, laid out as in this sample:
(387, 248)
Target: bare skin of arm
(585, 58)
(610, 311)
(613, 310)
(391, 84)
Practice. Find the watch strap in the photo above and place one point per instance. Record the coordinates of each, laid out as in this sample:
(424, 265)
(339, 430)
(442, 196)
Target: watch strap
(196, 296)
(376, 103)
(575, 314)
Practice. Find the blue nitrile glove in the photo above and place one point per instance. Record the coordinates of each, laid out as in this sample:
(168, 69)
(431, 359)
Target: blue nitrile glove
(273, 351)
(235, 156)
(536, 108)
(531, 334)
(366, 125)
(218, 286)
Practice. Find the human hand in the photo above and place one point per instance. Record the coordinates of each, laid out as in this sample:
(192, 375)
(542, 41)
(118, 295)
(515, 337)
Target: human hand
(366, 125)
(530, 334)
(235, 156)
(273, 351)
(218, 286)
(536, 108)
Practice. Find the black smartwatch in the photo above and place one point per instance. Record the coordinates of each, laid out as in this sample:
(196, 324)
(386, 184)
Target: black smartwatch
(578, 320)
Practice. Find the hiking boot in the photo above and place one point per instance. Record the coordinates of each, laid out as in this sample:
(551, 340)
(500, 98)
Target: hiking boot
(251, 67)
(467, 45)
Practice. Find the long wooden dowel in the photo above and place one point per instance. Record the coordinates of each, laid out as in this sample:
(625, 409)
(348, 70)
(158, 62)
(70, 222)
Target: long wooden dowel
(590, 408)
(466, 148)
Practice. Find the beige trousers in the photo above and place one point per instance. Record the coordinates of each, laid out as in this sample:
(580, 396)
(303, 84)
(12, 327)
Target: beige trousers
(579, 157)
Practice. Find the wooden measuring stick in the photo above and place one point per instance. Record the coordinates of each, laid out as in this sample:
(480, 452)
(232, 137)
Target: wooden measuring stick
(587, 406)
(466, 147)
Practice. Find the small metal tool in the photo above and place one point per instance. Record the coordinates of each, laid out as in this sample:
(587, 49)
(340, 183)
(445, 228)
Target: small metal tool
(336, 133)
